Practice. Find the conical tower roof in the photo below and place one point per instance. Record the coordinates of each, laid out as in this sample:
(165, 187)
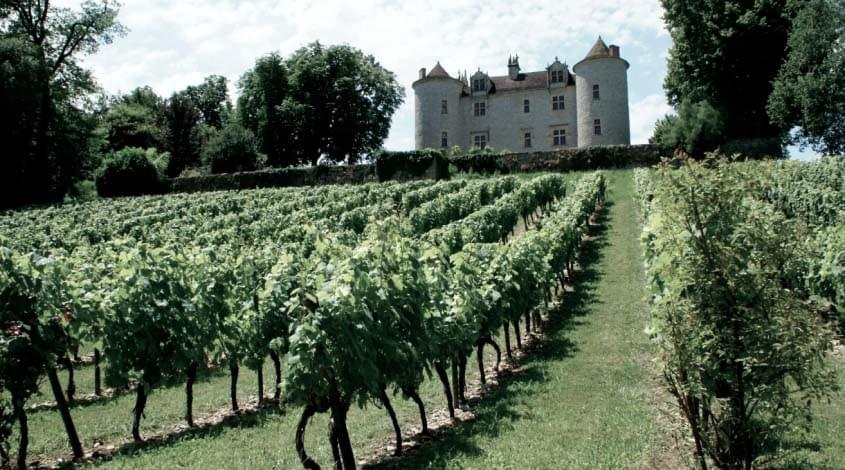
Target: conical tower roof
(599, 49)
(438, 71)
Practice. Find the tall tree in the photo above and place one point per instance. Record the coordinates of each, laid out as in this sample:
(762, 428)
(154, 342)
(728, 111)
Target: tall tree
(727, 52)
(809, 92)
(346, 102)
(261, 105)
(55, 37)
(211, 97)
(183, 118)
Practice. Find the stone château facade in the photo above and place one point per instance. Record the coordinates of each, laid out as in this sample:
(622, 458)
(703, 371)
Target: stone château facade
(533, 111)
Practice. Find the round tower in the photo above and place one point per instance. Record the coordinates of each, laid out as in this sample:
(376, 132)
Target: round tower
(601, 88)
(438, 118)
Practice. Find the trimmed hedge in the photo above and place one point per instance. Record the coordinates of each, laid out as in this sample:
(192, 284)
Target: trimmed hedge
(588, 158)
(280, 177)
(426, 163)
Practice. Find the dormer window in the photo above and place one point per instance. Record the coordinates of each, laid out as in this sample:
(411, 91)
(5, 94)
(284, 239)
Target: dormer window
(557, 76)
(479, 84)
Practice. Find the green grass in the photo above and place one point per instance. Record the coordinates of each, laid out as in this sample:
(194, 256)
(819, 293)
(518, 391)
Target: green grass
(582, 400)
(823, 448)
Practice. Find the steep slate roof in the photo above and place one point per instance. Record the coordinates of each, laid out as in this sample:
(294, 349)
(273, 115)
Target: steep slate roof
(599, 49)
(525, 81)
(438, 71)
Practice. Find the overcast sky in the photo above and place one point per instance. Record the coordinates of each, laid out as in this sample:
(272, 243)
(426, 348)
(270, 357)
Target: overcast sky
(173, 44)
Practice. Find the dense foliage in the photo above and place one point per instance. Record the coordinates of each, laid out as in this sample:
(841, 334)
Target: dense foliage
(128, 172)
(727, 52)
(736, 286)
(809, 91)
(231, 150)
(357, 296)
(696, 129)
(46, 130)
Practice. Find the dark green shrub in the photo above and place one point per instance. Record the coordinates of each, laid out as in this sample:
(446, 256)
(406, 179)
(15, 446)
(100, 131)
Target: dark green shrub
(698, 128)
(128, 172)
(231, 150)
(412, 164)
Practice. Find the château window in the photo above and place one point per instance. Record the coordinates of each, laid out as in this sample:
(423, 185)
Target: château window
(559, 137)
(527, 139)
(557, 76)
(444, 107)
(480, 109)
(444, 140)
(597, 126)
(526, 106)
(557, 103)
(596, 94)
(479, 84)
(479, 140)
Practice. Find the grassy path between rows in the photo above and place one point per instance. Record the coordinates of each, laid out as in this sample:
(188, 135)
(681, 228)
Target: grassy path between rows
(582, 400)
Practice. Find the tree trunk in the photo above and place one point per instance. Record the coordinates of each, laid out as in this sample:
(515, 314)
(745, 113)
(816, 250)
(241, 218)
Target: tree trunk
(479, 354)
(260, 385)
(527, 316)
(72, 436)
(385, 400)
(338, 464)
(233, 385)
(444, 379)
(507, 331)
(23, 442)
(339, 410)
(277, 366)
(71, 383)
(416, 397)
(489, 340)
(304, 459)
(41, 166)
(98, 382)
(140, 404)
(516, 333)
(189, 393)
(463, 376)
(456, 383)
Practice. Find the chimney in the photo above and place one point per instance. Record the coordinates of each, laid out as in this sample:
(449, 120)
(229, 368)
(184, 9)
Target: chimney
(513, 67)
(422, 73)
(614, 51)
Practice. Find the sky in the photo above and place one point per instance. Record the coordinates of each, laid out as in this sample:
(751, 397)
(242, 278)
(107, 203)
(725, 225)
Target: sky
(173, 44)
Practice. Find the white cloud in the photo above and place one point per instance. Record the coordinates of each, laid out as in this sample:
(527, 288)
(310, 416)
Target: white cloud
(171, 45)
(644, 114)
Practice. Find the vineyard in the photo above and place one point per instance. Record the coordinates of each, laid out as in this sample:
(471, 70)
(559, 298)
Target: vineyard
(746, 265)
(355, 293)
(480, 322)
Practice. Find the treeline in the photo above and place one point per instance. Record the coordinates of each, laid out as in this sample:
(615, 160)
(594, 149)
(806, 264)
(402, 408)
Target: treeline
(61, 132)
(772, 70)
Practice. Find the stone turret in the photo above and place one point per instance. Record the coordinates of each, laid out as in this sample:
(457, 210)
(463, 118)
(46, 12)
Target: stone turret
(601, 82)
(437, 108)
